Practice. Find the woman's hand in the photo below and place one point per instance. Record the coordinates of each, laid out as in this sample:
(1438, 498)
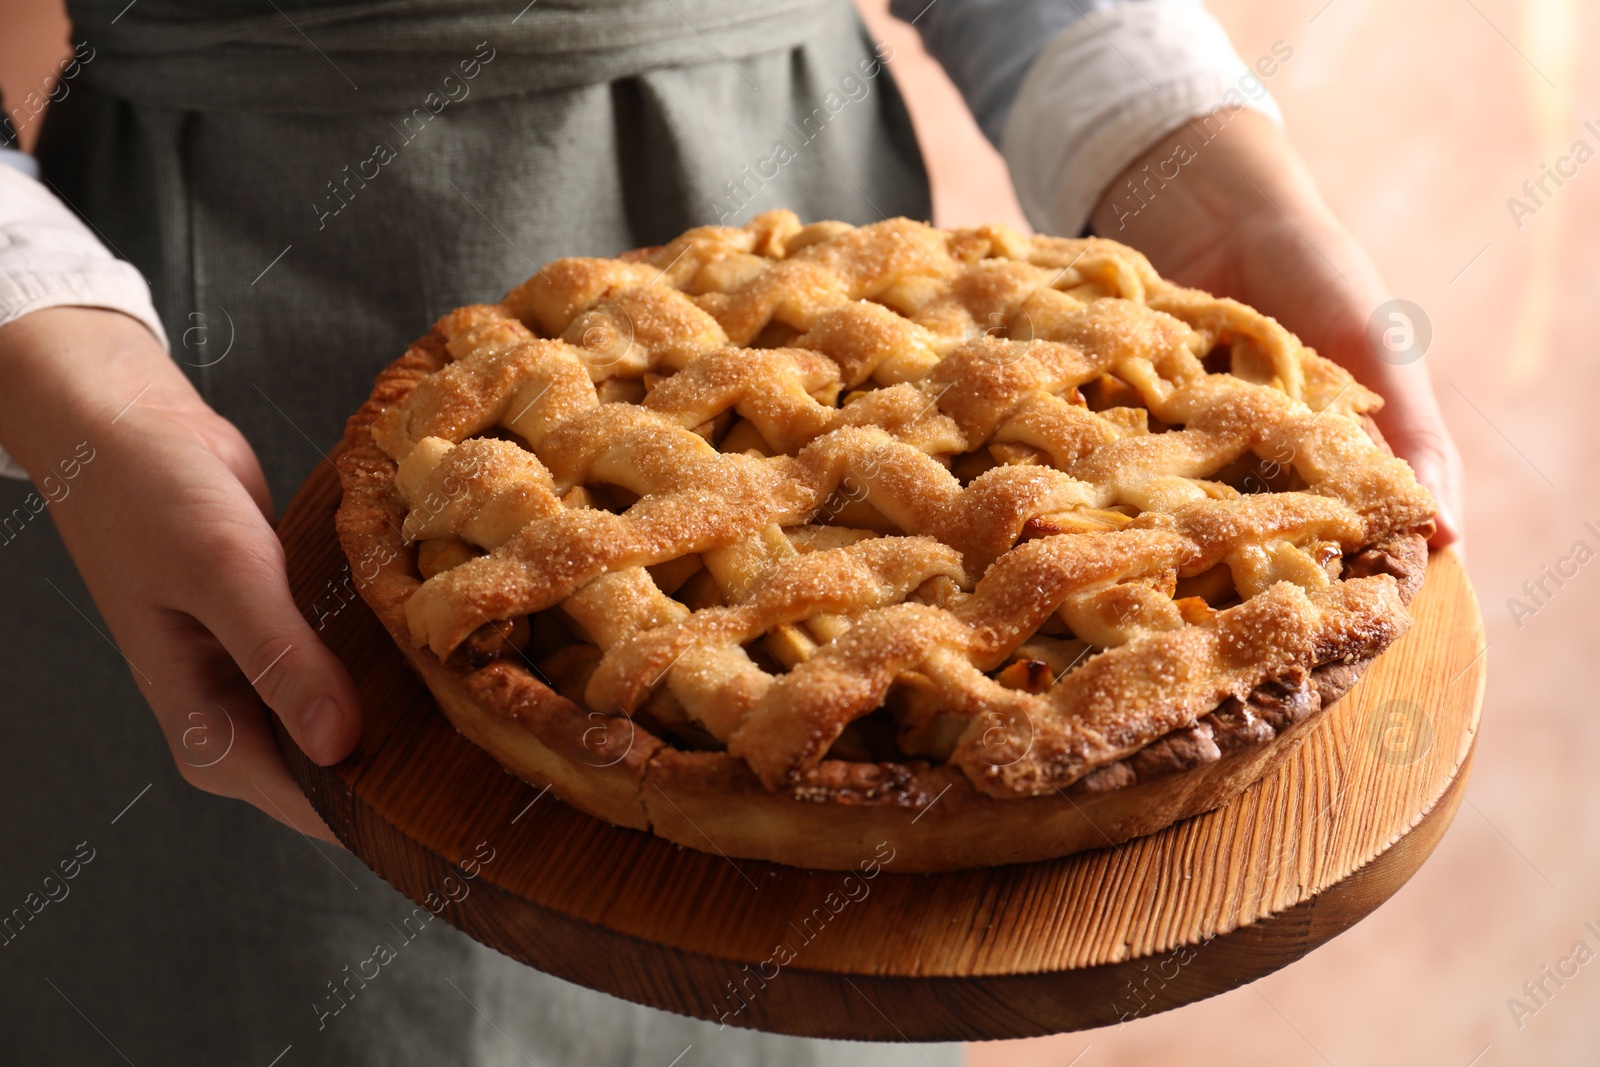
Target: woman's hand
(1239, 216)
(170, 525)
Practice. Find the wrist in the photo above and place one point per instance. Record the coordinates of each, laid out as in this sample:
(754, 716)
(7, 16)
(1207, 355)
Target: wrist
(1200, 181)
(68, 373)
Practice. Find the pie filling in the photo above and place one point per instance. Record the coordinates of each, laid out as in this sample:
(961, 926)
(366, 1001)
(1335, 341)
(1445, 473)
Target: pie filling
(898, 495)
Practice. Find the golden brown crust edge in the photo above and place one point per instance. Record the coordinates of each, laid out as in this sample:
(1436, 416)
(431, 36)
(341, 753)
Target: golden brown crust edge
(933, 818)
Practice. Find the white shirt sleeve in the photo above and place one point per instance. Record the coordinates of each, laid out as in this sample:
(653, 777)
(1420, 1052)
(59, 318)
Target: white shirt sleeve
(987, 46)
(1107, 87)
(49, 258)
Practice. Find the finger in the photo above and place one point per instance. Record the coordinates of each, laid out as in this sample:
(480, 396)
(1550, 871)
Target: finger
(232, 753)
(246, 604)
(1432, 456)
(1410, 420)
(216, 726)
(280, 797)
(1415, 430)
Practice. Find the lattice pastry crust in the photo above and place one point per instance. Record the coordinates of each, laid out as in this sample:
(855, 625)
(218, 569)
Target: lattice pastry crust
(780, 539)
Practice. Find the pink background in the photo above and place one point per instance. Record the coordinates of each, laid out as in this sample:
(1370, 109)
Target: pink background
(1420, 119)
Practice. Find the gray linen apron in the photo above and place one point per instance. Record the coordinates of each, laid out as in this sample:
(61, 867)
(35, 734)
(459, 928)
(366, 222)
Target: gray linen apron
(307, 187)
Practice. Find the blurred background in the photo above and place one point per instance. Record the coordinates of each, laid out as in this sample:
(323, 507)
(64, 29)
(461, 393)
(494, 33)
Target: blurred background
(1421, 121)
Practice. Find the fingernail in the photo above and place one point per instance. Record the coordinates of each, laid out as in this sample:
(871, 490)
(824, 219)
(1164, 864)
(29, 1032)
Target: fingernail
(320, 727)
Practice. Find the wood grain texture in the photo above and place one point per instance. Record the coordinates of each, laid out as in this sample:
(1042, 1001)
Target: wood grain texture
(1016, 951)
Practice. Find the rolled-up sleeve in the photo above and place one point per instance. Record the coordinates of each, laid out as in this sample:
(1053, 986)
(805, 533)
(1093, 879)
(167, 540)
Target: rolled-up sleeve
(987, 46)
(1072, 91)
(49, 258)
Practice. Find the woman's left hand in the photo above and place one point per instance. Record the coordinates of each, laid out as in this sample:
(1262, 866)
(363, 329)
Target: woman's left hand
(1239, 216)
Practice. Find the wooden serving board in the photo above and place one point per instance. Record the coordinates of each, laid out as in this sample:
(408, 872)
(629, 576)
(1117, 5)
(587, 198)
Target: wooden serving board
(1018, 951)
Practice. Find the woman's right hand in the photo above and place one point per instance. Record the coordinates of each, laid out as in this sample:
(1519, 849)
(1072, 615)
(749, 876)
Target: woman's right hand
(170, 525)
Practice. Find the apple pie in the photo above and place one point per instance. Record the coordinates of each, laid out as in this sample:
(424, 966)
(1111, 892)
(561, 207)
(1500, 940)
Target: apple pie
(782, 541)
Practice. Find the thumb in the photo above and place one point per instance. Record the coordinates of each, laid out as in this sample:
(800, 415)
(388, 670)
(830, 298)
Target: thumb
(252, 614)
